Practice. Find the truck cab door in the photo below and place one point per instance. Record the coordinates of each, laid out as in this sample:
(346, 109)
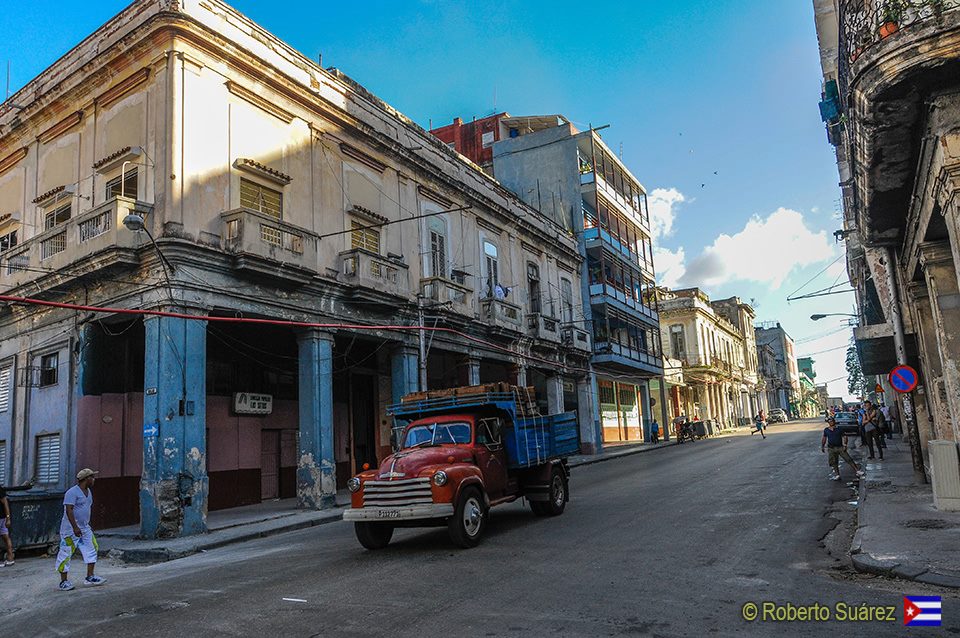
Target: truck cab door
(490, 455)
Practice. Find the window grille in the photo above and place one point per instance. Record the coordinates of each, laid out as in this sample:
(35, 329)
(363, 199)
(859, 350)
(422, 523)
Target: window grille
(260, 198)
(365, 238)
(48, 458)
(3, 462)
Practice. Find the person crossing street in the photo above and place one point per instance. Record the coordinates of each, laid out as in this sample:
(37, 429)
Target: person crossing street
(75, 531)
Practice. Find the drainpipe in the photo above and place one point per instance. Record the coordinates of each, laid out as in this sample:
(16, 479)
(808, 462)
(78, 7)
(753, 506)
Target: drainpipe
(899, 343)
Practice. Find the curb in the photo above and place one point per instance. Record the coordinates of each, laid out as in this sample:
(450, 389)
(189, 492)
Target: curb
(609, 457)
(867, 564)
(152, 555)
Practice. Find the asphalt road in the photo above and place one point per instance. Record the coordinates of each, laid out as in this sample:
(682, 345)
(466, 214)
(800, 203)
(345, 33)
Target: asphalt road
(671, 542)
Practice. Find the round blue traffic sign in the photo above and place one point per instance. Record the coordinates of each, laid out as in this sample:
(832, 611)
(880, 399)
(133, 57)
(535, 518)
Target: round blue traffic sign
(903, 379)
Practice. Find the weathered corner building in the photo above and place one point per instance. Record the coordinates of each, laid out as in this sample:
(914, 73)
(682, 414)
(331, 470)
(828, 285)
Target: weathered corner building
(714, 342)
(276, 190)
(892, 110)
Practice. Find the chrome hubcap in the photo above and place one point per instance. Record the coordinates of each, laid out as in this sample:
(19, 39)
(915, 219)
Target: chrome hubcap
(472, 516)
(558, 492)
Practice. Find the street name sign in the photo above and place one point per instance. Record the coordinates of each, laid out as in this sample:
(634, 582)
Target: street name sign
(903, 379)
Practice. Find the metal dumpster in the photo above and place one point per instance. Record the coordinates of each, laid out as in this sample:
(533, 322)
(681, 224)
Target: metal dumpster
(35, 517)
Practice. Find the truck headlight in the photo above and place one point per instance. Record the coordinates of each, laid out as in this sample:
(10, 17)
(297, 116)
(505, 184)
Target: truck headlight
(353, 484)
(440, 478)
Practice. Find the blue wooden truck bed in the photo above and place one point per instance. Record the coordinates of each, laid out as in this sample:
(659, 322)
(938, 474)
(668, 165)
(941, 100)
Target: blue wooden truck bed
(529, 440)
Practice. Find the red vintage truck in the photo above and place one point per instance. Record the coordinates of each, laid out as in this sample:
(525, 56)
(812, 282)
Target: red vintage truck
(459, 454)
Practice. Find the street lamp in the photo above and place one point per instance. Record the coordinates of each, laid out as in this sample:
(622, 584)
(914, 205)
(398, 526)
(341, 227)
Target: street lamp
(832, 314)
(134, 223)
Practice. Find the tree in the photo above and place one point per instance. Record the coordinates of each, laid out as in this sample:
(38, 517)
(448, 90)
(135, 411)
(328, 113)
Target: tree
(856, 383)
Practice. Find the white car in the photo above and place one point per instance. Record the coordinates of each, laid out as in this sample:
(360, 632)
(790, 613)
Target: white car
(777, 415)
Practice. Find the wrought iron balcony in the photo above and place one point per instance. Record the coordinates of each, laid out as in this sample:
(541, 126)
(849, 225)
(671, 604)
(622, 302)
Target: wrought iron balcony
(864, 23)
(261, 243)
(66, 248)
(624, 300)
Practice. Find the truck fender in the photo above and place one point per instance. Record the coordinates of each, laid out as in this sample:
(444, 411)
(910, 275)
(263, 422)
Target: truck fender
(472, 481)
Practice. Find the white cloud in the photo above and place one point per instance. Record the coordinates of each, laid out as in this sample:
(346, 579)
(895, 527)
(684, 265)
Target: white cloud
(765, 251)
(670, 266)
(662, 203)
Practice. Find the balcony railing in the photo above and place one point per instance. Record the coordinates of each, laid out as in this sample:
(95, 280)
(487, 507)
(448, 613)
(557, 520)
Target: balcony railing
(60, 247)
(455, 296)
(249, 233)
(864, 23)
(633, 353)
(575, 338)
(594, 235)
(366, 269)
(542, 326)
(600, 292)
(501, 313)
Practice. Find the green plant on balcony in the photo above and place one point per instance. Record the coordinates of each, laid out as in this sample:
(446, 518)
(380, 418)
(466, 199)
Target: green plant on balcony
(891, 14)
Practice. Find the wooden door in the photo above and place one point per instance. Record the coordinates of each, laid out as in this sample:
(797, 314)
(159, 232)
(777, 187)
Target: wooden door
(269, 464)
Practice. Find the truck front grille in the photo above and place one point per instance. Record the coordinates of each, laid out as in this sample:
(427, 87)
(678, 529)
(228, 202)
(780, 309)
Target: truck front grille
(397, 493)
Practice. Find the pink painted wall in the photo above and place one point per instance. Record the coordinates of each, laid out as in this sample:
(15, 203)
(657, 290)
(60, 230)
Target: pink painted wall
(110, 434)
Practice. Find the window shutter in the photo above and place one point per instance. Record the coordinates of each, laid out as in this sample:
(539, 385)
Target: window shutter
(5, 389)
(48, 458)
(3, 463)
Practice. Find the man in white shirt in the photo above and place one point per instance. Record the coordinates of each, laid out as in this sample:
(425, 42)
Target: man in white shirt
(75, 531)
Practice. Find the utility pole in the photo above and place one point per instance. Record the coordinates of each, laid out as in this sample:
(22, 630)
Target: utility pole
(899, 343)
(423, 346)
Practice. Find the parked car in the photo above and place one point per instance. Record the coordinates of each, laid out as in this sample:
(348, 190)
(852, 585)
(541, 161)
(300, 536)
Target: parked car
(847, 423)
(777, 415)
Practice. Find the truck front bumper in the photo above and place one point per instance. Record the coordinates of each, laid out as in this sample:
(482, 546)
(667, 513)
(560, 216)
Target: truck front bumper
(409, 513)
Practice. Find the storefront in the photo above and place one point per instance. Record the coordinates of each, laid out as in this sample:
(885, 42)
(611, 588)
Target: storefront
(621, 417)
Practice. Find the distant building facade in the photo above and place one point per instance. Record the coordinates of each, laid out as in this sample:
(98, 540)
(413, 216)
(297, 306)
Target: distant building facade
(784, 374)
(719, 356)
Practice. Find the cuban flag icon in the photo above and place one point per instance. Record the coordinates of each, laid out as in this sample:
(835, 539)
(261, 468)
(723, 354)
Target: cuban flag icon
(921, 611)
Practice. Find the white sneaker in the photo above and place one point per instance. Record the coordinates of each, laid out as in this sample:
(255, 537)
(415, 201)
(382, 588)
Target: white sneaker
(861, 473)
(94, 580)
(66, 585)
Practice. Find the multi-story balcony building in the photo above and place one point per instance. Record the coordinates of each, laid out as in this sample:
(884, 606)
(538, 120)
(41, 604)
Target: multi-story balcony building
(276, 191)
(891, 73)
(576, 180)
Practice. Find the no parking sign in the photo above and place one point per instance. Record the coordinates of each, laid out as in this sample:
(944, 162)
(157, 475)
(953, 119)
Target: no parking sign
(903, 379)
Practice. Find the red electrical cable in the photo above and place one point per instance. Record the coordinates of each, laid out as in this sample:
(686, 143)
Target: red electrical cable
(275, 322)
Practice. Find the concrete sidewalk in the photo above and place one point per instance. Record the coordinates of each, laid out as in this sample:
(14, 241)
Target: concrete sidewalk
(225, 527)
(899, 532)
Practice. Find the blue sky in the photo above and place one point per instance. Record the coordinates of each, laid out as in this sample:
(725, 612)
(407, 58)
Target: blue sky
(714, 103)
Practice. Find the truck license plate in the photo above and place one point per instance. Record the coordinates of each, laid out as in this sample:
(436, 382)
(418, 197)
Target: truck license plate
(388, 514)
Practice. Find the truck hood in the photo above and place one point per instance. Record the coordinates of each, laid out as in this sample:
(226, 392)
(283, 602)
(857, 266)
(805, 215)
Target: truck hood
(407, 464)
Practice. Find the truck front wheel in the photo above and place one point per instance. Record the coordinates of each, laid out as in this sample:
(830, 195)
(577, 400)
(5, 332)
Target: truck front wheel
(469, 519)
(373, 535)
(556, 499)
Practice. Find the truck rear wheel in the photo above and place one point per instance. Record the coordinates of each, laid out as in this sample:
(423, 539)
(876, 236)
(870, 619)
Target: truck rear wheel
(373, 535)
(556, 498)
(469, 519)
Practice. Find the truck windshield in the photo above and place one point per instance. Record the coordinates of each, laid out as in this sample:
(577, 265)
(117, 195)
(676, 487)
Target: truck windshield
(437, 434)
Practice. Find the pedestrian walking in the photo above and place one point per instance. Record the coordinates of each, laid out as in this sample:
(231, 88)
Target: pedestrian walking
(5, 527)
(75, 531)
(834, 442)
(871, 429)
(654, 432)
(758, 425)
(893, 419)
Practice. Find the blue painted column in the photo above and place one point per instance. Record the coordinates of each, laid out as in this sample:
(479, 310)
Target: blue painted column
(174, 484)
(316, 475)
(404, 370)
